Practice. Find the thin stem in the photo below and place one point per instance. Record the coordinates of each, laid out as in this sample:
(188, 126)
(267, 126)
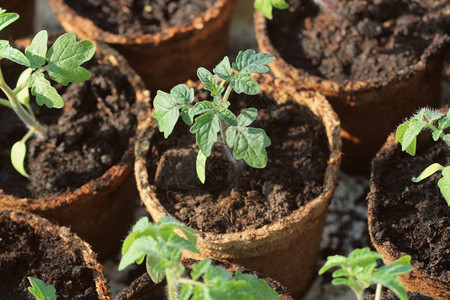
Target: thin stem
(227, 93)
(358, 293)
(378, 292)
(26, 118)
(172, 282)
(5, 103)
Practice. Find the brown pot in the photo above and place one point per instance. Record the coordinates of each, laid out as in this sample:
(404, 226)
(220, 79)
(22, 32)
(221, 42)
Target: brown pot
(101, 210)
(369, 110)
(390, 239)
(285, 250)
(59, 246)
(166, 58)
(24, 25)
(144, 288)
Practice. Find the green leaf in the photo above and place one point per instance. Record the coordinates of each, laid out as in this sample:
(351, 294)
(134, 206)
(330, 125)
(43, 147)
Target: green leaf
(257, 288)
(430, 170)
(188, 232)
(341, 281)
(166, 112)
(444, 123)
(182, 94)
(223, 69)
(186, 115)
(388, 275)
(437, 134)
(156, 274)
(431, 115)
(65, 57)
(202, 107)
(407, 135)
(266, 6)
(363, 257)
(250, 144)
(7, 18)
(210, 81)
(333, 261)
(8, 52)
(40, 290)
(444, 184)
(200, 166)
(44, 92)
(206, 128)
(226, 115)
(18, 154)
(200, 268)
(243, 83)
(248, 62)
(23, 95)
(37, 50)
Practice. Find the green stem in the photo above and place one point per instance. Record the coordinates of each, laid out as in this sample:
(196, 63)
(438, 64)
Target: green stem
(26, 118)
(172, 283)
(5, 103)
(358, 293)
(378, 292)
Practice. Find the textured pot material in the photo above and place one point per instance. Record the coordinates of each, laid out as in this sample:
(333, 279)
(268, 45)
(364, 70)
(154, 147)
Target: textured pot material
(169, 57)
(101, 210)
(70, 242)
(143, 287)
(285, 250)
(24, 25)
(417, 280)
(368, 110)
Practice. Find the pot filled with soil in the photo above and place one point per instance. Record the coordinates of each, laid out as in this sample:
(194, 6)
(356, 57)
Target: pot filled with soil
(144, 288)
(33, 246)
(164, 41)
(389, 295)
(81, 174)
(269, 220)
(376, 62)
(23, 27)
(413, 218)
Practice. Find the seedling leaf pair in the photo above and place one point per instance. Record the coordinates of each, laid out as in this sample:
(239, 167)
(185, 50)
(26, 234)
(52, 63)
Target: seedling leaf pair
(212, 119)
(407, 133)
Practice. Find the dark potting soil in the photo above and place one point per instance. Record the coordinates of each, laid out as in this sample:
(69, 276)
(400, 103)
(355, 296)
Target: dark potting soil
(138, 17)
(233, 201)
(43, 255)
(386, 36)
(414, 217)
(389, 295)
(84, 139)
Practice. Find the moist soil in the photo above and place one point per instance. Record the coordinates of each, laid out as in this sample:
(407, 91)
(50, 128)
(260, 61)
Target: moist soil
(84, 139)
(233, 201)
(25, 251)
(362, 40)
(138, 17)
(413, 217)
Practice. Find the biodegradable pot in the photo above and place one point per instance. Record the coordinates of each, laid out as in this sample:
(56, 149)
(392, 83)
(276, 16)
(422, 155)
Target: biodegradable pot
(100, 210)
(368, 109)
(411, 218)
(24, 25)
(50, 253)
(285, 250)
(166, 58)
(144, 288)
(389, 295)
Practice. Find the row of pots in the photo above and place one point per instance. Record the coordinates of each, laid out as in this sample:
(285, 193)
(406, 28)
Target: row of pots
(281, 243)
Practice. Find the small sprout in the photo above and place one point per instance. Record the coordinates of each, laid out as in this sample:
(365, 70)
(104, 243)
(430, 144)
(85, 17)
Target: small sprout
(266, 6)
(62, 62)
(359, 270)
(214, 118)
(41, 291)
(161, 246)
(407, 133)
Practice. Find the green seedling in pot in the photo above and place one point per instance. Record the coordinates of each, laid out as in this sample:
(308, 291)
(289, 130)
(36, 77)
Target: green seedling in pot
(266, 6)
(214, 121)
(359, 270)
(61, 62)
(161, 245)
(40, 290)
(407, 133)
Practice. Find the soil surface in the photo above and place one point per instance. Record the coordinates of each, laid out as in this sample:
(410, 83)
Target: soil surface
(232, 201)
(138, 17)
(43, 255)
(414, 217)
(389, 295)
(361, 40)
(87, 137)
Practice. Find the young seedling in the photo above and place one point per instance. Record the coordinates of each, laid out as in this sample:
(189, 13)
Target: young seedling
(266, 6)
(407, 133)
(161, 246)
(359, 270)
(238, 139)
(41, 291)
(61, 63)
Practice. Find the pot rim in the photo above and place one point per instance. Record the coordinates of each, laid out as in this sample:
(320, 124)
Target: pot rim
(115, 174)
(40, 224)
(330, 87)
(255, 237)
(67, 15)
